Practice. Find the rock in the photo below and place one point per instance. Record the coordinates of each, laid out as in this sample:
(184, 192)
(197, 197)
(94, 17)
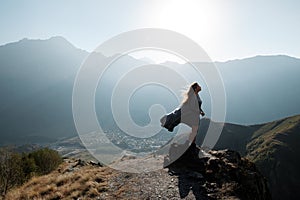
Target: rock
(229, 155)
(95, 164)
(128, 157)
(79, 163)
(223, 174)
(196, 175)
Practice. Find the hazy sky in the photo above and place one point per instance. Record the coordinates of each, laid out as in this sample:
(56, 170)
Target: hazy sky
(226, 29)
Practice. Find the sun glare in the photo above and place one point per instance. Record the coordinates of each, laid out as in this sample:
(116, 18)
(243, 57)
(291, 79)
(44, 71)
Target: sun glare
(201, 20)
(195, 18)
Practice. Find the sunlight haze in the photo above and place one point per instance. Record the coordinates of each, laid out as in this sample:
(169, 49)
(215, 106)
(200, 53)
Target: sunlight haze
(227, 30)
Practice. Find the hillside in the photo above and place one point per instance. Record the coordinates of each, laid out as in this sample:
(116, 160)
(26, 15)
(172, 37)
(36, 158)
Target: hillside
(36, 81)
(233, 136)
(217, 175)
(274, 148)
(261, 89)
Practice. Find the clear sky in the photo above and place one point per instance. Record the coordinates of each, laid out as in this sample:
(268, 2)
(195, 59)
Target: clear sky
(226, 29)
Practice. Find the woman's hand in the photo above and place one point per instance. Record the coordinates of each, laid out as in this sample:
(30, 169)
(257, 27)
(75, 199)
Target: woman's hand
(202, 113)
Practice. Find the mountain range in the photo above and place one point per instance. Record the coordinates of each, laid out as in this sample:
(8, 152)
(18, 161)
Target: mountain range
(37, 77)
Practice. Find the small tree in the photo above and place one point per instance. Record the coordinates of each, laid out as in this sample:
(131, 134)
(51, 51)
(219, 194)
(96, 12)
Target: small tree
(15, 169)
(28, 166)
(11, 172)
(46, 160)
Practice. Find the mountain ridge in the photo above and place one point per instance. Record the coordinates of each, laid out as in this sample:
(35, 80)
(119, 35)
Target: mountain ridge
(62, 38)
(56, 71)
(257, 56)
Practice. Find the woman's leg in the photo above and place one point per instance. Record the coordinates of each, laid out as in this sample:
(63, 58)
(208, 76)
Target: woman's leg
(192, 137)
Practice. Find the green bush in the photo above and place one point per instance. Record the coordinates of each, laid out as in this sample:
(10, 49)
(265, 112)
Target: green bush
(15, 169)
(46, 160)
(28, 166)
(11, 172)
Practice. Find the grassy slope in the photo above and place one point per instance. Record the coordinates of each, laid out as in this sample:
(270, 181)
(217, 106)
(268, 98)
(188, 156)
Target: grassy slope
(236, 137)
(67, 182)
(275, 149)
(274, 136)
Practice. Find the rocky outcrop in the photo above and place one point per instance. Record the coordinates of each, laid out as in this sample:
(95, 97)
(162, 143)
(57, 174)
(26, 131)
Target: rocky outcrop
(219, 174)
(273, 147)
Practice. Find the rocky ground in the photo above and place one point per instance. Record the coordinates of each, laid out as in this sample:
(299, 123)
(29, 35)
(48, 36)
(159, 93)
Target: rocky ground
(213, 175)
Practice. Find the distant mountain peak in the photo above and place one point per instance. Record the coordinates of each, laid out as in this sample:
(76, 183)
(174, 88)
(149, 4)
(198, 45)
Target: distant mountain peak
(259, 57)
(56, 41)
(53, 38)
(58, 37)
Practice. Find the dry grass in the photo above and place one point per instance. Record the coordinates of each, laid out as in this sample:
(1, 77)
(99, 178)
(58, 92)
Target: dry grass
(267, 139)
(87, 182)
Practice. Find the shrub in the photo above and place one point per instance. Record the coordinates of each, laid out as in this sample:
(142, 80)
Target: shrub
(15, 169)
(46, 160)
(11, 172)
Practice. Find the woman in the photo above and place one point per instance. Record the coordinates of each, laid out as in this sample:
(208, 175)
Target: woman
(188, 113)
(191, 109)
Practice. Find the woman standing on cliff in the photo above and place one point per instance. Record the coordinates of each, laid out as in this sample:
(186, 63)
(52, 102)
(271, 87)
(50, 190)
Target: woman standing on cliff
(188, 113)
(191, 109)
